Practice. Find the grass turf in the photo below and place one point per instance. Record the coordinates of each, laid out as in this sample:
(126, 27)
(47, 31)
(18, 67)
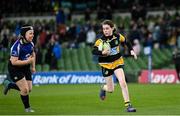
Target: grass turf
(83, 99)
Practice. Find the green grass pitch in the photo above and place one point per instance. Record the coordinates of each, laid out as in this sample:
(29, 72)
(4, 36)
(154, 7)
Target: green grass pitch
(83, 99)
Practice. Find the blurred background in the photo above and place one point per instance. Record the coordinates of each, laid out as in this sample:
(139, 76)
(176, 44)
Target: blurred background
(65, 31)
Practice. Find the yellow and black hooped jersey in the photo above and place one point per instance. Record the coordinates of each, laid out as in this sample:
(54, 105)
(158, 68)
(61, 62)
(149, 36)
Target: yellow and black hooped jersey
(115, 58)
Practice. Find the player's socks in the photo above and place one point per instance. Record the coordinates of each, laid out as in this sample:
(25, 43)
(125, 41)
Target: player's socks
(25, 100)
(9, 85)
(102, 93)
(126, 104)
(6, 86)
(13, 86)
(129, 107)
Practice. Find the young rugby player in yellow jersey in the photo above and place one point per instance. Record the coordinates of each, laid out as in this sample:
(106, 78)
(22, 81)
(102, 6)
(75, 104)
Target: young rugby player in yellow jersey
(107, 48)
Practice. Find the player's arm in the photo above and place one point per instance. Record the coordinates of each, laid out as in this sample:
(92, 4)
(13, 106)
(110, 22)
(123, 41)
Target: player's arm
(125, 42)
(33, 62)
(96, 50)
(99, 50)
(15, 61)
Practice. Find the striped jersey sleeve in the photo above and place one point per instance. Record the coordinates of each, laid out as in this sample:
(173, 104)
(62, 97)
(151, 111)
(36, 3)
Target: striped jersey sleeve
(98, 41)
(15, 49)
(122, 38)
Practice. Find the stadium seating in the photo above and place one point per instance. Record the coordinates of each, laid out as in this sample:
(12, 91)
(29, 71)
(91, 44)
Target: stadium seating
(2, 67)
(1, 55)
(38, 68)
(45, 68)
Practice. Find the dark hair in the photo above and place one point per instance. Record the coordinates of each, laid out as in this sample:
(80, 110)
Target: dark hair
(110, 23)
(24, 29)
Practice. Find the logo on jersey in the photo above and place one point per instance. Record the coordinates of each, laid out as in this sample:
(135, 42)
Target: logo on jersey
(15, 78)
(114, 51)
(116, 42)
(106, 72)
(14, 53)
(27, 55)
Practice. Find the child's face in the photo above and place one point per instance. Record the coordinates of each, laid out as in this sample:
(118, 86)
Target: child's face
(29, 35)
(107, 30)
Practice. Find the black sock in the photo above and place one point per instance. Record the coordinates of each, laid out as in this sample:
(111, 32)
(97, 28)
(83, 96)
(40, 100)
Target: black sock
(13, 86)
(25, 100)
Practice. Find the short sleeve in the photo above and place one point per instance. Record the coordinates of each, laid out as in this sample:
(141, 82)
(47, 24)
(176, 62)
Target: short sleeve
(15, 51)
(98, 41)
(122, 38)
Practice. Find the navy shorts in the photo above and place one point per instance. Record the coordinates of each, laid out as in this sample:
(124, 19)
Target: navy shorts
(18, 72)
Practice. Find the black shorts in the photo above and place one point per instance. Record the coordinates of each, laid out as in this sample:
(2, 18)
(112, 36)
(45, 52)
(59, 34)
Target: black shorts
(18, 72)
(108, 72)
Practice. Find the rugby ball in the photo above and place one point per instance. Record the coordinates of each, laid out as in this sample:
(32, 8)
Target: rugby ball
(104, 45)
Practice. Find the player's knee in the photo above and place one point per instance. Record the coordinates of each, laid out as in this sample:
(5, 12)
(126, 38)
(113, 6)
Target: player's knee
(110, 90)
(25, 91)
(30, 90)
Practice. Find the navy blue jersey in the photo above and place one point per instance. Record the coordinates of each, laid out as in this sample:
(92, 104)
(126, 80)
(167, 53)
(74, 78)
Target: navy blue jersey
(22, 50)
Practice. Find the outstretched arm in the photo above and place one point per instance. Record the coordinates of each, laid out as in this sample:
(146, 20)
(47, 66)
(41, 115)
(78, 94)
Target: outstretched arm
(133, 54)
(104, 52)
(128, 44)
(15, 61)
(33, 62)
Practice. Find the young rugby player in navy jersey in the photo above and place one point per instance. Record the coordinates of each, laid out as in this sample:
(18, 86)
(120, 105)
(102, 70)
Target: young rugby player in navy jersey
(21, 65)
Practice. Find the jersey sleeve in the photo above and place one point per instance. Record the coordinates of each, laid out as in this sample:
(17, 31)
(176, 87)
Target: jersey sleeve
(122, 38)
(15, 50)
(125, 42)
(33, 47)
(32, 44)
(98, 41)
(95, 50)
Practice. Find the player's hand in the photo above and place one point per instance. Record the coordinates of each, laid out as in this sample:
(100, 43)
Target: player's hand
(33, 69)
(133, 54)
(30, 60)
(106, 52)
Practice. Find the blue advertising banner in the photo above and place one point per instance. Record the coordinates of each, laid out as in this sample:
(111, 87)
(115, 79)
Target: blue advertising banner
(67, 77)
